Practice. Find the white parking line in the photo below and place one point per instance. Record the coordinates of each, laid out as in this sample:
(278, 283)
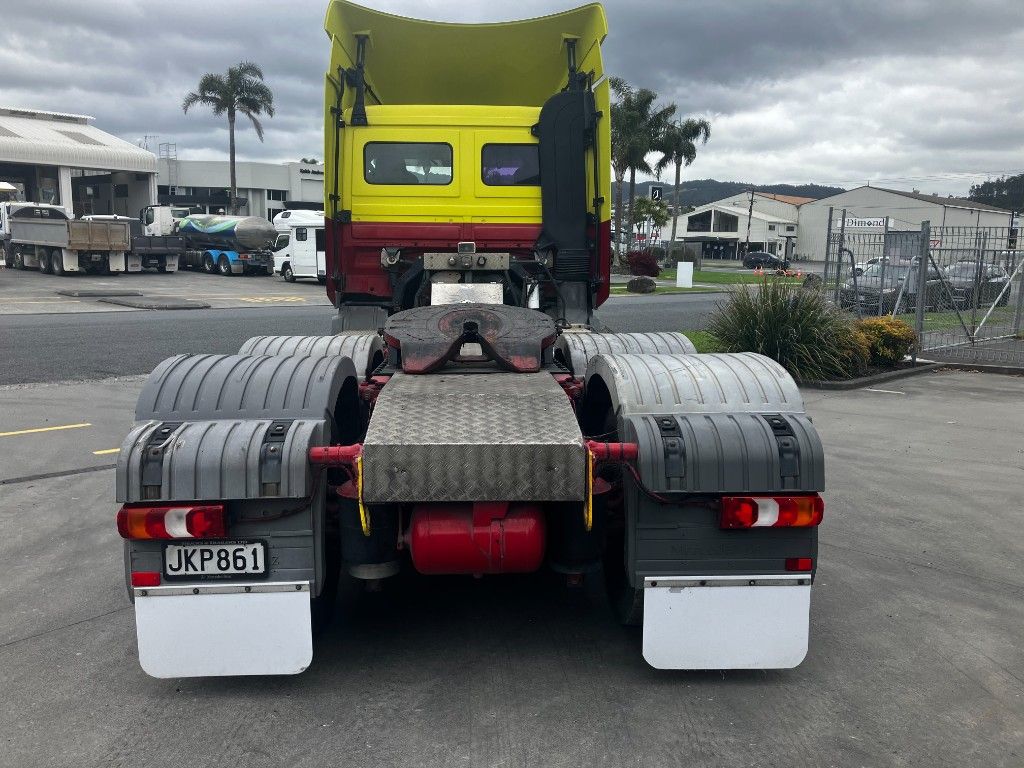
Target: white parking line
(885, 391)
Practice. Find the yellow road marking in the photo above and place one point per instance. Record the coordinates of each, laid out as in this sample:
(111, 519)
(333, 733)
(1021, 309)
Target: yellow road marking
(42, 429)
(105, 451)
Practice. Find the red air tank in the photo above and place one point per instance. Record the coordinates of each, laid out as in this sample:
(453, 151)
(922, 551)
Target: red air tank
(476, 538)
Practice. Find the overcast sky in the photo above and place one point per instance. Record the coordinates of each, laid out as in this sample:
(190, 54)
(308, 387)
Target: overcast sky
(906, 93)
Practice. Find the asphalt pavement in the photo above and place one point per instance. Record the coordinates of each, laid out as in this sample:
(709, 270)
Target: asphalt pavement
(62, 346)
(915, 656)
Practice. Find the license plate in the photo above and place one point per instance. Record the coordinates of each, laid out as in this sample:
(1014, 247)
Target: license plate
(215, 560)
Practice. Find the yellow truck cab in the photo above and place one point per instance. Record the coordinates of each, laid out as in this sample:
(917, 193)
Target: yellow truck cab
(471, 154)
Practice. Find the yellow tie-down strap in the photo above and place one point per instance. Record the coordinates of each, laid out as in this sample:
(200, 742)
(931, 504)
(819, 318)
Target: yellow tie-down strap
(588, 507)
(364, 517)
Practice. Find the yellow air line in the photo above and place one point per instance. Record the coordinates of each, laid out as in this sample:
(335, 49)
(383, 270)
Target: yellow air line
(588, 509)
(364, 518)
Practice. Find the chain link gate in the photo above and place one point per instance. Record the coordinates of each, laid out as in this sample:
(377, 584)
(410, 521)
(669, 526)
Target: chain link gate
(971, 297)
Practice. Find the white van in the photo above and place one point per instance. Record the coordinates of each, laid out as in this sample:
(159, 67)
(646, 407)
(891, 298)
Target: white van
(300, 253)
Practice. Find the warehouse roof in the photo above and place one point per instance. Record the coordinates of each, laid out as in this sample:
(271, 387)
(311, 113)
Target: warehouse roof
(791, 199)
(58, 138)
(959, 202)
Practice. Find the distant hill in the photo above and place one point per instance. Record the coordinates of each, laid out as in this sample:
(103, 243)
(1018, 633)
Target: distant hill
(699, 191)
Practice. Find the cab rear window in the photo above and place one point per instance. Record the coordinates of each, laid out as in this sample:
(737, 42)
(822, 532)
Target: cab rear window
(510, 165)
(407, 163)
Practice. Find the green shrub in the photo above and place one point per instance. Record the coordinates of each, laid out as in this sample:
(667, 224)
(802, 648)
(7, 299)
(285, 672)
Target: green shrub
(890, 339)
(857, 350)
(800, 329)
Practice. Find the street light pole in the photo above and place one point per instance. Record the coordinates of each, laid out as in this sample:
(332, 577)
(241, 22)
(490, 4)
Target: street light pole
(750, 214)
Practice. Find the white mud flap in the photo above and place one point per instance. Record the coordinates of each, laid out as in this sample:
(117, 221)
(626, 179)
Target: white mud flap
(726, 622)
(117, 261)
(213, 630)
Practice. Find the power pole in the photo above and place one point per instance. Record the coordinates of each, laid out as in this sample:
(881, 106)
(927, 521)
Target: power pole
(750, 213)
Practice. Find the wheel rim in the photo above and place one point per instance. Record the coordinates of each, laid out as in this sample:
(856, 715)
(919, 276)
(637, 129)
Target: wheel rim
(225, 266)
(288, 274)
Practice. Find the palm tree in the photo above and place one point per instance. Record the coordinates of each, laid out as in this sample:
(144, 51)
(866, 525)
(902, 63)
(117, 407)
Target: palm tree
(240, 91)
(678, 147)
(622, 132)
(637, 126)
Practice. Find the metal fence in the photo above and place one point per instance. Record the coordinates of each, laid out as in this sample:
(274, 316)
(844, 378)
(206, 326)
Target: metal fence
(966, 305)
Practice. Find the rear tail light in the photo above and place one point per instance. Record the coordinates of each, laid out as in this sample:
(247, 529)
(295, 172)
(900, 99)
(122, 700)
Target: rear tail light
(799, 563)
(771, 511)
(145, 578)
(205, 521)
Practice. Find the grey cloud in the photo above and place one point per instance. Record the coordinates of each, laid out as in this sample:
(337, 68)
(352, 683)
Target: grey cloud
(795, 91)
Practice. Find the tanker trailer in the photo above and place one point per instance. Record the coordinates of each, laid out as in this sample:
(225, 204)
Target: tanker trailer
(228, 245)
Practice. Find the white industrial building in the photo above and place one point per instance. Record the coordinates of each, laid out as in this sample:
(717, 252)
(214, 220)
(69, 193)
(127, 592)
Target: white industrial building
(874, 209)
(264, 189)
(61, 159)
(719, 229)
(798, 227)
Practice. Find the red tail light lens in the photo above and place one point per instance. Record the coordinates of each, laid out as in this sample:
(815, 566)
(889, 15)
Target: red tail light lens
(145, 578)
(205, 521)
(799, 563)
(771, 511)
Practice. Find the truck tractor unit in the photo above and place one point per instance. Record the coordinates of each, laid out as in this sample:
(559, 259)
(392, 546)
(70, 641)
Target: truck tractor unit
(226, 245)
(467, 416)
(300, 250)
(45, 237)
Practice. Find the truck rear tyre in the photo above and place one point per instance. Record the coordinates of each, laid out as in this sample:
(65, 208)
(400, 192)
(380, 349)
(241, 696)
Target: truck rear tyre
(44, 262)
(19, 259)
(626, 602)
(56, 263)
(208, 265)
(287, 274)
(224, 266)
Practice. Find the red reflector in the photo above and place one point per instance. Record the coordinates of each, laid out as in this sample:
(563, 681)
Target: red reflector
(799, 563)
(206, 521)
(771, 511)
(145, 578)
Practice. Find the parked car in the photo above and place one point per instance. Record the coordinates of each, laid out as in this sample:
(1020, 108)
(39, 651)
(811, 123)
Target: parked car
(860, 266)
(765, 260)
(967, 277)
(866, 289)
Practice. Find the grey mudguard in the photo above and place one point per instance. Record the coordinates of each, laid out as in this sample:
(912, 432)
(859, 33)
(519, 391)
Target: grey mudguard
(366, 350)
(574, 349)
(707, 426)
(712, 424)
(230, 427)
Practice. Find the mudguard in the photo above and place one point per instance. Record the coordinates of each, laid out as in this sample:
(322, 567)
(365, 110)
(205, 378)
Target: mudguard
(708, 426)
(206, 425)
(574, 349)
(236, 430)
(366, 350)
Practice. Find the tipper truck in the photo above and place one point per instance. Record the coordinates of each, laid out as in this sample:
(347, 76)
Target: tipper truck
(466, 417)
(45, 237)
